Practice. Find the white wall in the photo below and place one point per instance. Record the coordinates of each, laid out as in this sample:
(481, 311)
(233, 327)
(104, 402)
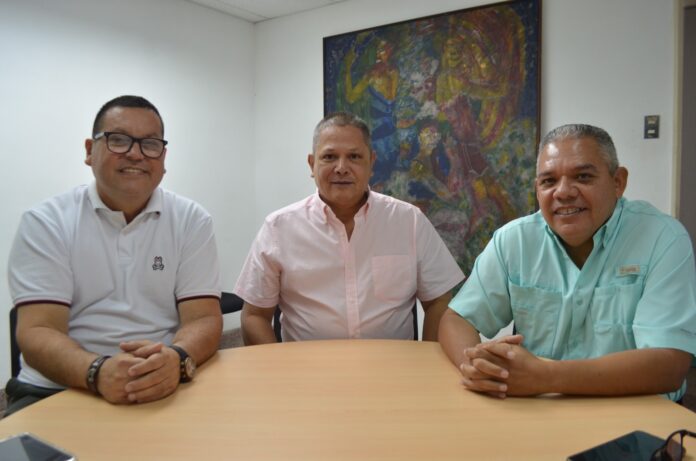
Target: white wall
(240, 101)
(607, 63)
(60, 61)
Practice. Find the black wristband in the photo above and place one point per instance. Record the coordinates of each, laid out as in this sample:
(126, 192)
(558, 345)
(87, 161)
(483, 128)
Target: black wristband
(93, 373)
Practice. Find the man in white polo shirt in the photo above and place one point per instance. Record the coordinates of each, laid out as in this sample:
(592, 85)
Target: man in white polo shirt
(116, 284)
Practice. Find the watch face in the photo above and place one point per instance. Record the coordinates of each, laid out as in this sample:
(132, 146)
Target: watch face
(190, 367)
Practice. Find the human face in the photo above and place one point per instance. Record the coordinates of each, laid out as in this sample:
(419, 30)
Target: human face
(341, 167)
(576, 192)
(125, 182)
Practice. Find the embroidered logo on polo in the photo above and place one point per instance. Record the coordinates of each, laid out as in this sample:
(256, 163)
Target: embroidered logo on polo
(158, 265)
(629, 270)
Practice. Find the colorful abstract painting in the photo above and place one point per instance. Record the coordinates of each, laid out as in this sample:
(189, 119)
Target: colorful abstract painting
(453, 104)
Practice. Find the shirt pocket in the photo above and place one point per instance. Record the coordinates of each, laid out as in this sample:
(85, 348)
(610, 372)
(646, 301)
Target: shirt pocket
(536, 311)
(612, 311)
(394, 277)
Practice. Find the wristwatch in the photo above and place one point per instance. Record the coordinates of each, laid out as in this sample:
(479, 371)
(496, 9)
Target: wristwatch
(187, 365)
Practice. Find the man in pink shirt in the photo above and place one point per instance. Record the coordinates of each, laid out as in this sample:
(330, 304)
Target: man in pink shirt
(345, 262)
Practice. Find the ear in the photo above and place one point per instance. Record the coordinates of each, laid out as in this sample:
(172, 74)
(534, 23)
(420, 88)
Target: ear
(310, 162)
(620, 180)
(88, 151)
(373, 158)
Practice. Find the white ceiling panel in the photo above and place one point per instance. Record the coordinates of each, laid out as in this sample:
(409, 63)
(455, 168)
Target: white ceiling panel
(260, 10)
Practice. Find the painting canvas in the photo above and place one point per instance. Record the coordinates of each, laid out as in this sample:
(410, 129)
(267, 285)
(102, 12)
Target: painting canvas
(453, 104)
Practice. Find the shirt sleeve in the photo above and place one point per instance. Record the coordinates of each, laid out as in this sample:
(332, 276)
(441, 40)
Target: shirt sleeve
(198, 273)
(259, 281)
(666, 312)
(438, 272)
(484, 300)
(39, 263)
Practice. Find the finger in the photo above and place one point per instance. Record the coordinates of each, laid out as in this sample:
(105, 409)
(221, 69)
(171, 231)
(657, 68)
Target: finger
(144, 381)
(511, 339)
(484, 354)
(474, 374)
(485, 385)
(156, 391)
(502, 350)
(129, 346)
(147, 350)
(490, 369)
(149, 365)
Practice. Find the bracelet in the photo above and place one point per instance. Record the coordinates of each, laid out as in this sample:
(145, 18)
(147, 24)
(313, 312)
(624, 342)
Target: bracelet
(93, 373)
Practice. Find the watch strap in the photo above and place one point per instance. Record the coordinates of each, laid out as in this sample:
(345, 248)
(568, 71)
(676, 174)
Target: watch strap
(183, 356)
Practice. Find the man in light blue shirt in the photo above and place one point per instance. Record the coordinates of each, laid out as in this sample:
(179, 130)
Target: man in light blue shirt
(602, 287)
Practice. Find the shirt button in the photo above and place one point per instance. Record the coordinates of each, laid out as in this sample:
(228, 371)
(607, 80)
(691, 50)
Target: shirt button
(578, 302)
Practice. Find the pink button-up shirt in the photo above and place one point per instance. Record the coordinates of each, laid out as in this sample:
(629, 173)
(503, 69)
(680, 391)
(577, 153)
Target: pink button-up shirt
(329, 287)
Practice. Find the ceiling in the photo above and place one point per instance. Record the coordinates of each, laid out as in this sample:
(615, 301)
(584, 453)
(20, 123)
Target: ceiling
(260, 10)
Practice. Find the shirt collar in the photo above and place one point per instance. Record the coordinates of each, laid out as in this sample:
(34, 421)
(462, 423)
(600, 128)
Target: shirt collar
(154, 205)
(608, 230)
(321, 209)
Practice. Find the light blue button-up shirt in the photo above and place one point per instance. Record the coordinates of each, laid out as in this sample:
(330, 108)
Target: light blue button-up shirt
(636, 290)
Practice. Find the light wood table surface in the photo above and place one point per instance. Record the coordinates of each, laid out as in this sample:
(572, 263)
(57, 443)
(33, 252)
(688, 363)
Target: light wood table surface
(339, 400)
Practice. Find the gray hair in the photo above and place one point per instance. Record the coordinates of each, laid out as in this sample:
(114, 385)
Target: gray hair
(341, 119)
(577, 131)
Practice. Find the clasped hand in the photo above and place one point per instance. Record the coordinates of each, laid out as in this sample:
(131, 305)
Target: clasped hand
(143, 372)
(502, 368)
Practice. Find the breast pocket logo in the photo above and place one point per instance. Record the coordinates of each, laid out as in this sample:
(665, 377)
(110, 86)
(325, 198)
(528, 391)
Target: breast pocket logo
(158, 265)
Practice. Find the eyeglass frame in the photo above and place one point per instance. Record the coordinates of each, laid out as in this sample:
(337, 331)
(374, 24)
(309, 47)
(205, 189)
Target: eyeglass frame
(106, 134)
(664, 448)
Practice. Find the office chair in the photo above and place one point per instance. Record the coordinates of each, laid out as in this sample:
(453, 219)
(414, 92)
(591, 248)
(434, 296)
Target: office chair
(14, 348)
(414, 313)
(276, 325)
(230, 302)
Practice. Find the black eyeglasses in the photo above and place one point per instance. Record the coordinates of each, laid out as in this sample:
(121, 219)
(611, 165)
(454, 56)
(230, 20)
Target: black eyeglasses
(120, 143)
(673, 448)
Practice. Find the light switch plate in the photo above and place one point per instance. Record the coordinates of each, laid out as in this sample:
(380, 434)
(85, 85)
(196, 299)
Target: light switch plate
(652, 127)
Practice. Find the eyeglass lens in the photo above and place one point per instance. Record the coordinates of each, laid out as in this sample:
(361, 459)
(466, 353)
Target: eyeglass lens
(122, 143)
(673, 450)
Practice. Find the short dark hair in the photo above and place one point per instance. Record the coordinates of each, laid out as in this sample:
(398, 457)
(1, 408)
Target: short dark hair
(125, 101)
(577, 131)
(341, 119)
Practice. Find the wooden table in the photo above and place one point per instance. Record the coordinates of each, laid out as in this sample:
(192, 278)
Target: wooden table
(348, 400)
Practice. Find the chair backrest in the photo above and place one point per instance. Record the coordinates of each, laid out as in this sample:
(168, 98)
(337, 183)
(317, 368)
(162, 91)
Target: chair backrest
(414, 311)
(14, 347)
(230, 302)
(276, 322)
(276, 325)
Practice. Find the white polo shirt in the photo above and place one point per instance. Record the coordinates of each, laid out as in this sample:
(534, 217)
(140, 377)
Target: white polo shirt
(122, 281)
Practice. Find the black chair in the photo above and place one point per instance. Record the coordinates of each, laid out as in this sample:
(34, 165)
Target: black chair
(230, 302)
(414, 312)
(14, 348)
(276, 325)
